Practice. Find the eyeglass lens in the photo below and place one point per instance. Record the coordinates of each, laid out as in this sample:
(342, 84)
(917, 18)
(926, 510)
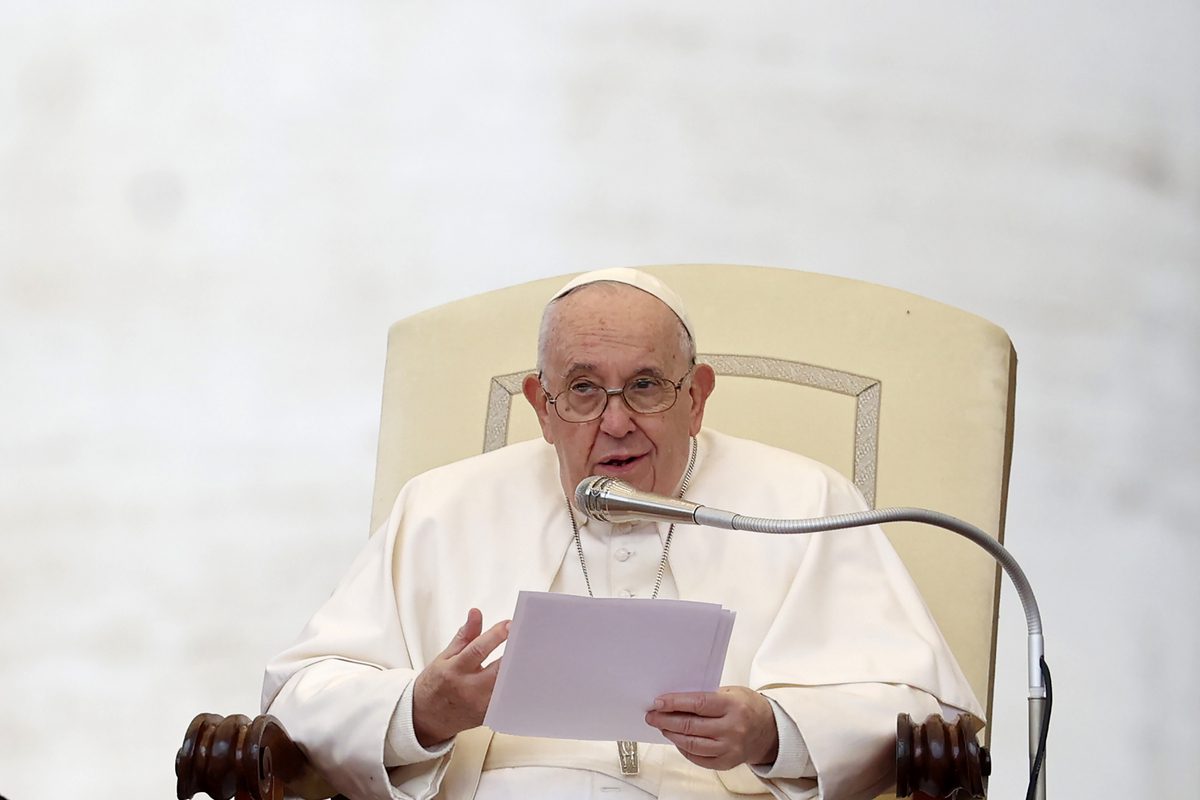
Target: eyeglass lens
(583, 400)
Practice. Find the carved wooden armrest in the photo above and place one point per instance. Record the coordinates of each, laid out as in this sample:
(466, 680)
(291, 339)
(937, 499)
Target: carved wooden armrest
(228, 756)
(937, 759)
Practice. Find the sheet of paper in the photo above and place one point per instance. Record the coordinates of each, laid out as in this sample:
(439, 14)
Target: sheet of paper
(590, 668)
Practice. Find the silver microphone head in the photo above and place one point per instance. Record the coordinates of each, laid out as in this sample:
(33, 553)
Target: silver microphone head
(586, 493)
(612, 500)
(589, 496)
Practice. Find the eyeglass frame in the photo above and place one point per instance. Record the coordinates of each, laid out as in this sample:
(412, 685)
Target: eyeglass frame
(608, 394)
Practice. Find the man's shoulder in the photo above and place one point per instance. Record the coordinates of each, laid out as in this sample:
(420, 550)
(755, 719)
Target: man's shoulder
(502, 482)
(733, 452)
(755, 472)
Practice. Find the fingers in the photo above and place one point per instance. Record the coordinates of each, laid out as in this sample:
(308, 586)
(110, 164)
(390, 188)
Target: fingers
(452, 692)
(694, 722)
(704, 704)
(467, 633)
(696, 745)
(695, 737)
(491, 671)
(718, 730)
(685, 724)
(469, 647)
(474, 653)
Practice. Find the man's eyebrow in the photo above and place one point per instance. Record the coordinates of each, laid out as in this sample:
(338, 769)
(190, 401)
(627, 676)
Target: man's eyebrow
(580, 367)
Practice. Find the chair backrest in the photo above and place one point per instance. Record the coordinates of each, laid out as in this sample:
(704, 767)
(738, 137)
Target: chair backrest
(911, 399)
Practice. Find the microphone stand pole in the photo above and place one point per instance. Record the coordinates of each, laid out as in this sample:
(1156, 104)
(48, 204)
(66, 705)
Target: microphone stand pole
(702, 515)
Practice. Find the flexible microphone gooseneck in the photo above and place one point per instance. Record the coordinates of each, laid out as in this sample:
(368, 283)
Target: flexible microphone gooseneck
(612, 500)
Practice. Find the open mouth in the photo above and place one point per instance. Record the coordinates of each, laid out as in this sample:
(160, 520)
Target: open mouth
(619, 462)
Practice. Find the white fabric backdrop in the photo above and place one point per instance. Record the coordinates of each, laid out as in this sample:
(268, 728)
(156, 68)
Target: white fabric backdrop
(211, 211)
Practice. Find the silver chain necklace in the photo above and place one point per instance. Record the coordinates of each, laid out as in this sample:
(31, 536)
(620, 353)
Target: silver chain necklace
(627, 752)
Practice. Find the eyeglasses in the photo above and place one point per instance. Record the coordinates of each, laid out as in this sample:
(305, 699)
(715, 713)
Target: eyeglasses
(584, 401)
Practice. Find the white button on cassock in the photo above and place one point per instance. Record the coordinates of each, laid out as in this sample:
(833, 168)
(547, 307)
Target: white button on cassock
(622, 554)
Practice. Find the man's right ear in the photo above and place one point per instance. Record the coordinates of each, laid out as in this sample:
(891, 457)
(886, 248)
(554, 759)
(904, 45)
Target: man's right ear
(531, 387)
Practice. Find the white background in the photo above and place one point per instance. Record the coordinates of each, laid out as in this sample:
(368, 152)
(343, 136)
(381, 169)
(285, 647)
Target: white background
(211, 211)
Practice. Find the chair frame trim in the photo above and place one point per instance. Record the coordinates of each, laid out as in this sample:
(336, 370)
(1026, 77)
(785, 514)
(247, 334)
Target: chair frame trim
(867, 393)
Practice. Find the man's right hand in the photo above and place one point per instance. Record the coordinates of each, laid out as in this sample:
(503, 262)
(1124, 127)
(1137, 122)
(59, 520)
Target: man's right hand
(452, 693)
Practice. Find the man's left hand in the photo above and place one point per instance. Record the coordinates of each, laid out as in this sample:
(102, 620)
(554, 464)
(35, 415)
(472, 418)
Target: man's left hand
(718, 730)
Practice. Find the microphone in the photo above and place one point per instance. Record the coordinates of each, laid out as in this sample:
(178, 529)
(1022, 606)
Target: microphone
(612, 500)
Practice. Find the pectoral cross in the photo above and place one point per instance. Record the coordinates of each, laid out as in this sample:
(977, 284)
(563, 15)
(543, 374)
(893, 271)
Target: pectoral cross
(627, 752)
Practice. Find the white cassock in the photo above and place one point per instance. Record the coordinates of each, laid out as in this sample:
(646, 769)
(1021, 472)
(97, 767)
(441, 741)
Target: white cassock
(829, 627)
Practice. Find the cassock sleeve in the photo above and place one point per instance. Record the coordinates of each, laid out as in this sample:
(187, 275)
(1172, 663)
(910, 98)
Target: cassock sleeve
(850, 732)
(852, 646)
(336, 689)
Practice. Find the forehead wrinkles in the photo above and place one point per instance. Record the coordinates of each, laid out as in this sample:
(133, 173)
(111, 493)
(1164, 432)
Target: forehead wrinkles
(603, 316)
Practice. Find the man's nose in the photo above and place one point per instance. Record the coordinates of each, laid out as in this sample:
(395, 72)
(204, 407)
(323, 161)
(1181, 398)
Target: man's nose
(617, 419)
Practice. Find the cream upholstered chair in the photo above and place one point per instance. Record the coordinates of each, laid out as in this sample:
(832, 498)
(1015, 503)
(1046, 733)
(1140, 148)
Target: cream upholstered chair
(911, 399)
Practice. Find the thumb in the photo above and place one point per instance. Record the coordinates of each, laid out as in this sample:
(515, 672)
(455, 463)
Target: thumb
(492, 669)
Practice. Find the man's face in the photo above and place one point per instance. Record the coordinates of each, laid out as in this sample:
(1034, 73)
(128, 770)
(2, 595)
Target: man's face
(609, 334)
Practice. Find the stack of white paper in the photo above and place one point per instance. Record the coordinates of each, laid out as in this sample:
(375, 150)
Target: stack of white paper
(590, 668)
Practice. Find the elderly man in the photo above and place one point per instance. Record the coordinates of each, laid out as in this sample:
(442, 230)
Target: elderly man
(388, 684)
